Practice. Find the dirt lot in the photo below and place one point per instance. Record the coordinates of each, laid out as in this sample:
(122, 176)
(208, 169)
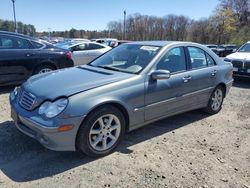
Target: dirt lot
(188, 150)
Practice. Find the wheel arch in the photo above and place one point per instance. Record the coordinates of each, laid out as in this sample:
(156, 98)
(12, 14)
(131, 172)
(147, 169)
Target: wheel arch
(116, 104)
(44, 63)
(223, 85)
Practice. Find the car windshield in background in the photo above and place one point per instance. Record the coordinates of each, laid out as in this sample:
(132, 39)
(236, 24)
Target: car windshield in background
(130, 58)
(245, 48)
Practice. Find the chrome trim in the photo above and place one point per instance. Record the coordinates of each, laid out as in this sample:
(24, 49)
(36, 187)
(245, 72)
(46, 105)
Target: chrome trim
(171, 99)
(160, 102)
(196, 92)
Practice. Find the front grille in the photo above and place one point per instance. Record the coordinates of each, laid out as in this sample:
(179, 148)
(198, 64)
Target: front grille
(27, 100)
(237, 64)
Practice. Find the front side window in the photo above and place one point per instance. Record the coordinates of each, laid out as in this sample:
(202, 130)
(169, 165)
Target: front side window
(131, 58)
(8, 42)
(173, 61)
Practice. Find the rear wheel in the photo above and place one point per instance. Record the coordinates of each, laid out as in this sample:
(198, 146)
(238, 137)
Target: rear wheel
(43, 69)
(101, 132)
(215, 101)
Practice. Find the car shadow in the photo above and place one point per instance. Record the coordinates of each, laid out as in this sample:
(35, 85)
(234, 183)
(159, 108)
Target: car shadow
(242, 82)
(23, 159)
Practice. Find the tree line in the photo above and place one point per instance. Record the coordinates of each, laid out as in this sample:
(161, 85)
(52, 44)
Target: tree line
(229, 23)
(26, 29)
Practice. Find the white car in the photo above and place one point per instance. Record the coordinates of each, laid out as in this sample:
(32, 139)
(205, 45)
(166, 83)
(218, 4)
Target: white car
(85, 52)
(241, 61)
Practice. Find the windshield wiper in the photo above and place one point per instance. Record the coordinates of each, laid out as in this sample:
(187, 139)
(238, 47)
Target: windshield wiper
(109, 68)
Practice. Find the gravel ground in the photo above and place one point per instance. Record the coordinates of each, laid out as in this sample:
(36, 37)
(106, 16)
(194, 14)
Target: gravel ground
(188, 150)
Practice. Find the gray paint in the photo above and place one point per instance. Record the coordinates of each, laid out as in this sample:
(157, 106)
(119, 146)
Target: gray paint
(144, 99)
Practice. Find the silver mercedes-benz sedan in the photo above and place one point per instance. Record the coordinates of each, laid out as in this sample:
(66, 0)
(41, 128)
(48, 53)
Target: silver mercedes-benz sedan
(90, 107)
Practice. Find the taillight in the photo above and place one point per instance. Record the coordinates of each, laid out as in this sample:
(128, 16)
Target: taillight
(68, 55)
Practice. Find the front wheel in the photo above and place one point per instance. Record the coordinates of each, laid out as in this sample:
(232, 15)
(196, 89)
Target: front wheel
(101, 132)
(215, 101)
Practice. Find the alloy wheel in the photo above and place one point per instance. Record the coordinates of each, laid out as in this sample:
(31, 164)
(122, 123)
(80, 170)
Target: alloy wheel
(217, 99)
(105, 132)
(45, 70)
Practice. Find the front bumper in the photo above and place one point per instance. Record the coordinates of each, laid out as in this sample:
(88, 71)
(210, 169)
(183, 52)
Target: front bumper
(42, 131)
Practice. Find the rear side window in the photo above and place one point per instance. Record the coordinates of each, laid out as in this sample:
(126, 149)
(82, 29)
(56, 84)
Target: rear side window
(94, 46)
(173, 61)
(210, 60)
(199, 58)
(80, 47)
(9, 42)
(36, 45)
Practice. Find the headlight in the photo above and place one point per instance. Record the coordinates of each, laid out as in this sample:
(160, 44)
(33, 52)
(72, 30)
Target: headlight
(52, 109)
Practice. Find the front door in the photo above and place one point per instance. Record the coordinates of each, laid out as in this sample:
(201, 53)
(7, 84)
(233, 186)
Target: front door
(164, 97)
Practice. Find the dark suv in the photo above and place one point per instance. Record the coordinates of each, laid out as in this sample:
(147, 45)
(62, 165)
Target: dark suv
(22, 56)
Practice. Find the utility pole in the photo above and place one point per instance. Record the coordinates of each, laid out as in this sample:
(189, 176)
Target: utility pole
(14, 11)
(124, 25)
(49, 29)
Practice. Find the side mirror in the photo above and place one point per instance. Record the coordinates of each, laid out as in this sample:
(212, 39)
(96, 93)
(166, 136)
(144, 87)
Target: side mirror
(160, 75)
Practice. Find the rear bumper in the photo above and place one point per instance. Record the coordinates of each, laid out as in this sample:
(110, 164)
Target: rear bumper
(228, 86)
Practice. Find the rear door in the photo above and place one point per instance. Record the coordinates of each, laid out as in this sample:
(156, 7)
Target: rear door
(95, 50)
(16, 59)
(80, 54)
(203, 72)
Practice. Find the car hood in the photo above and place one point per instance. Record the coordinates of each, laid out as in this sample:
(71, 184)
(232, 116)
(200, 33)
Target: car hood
(240, 56)
(66, 82)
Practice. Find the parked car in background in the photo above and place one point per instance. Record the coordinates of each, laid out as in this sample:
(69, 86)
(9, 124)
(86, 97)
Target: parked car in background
(70, 41)
(85, 52)
(119, 42)
(224, 50)
(22, 56)
(107, 41)
(213, 47)
(241, 61)
(90, 107)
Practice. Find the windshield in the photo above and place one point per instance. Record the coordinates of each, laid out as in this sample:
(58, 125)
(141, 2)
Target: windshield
(245, 48)
(131, 58)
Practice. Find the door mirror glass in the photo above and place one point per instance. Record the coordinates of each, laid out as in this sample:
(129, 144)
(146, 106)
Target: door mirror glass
(160, 75)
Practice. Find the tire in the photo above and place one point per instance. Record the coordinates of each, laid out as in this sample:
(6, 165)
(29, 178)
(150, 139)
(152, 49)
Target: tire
(215, 101)
(43, 69)
(103, 125)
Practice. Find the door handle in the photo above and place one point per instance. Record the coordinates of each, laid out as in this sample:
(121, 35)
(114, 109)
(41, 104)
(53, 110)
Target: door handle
(213, 73)
(186, 78)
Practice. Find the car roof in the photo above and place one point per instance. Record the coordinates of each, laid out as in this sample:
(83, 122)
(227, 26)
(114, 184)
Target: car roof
(154, 43)
(19, 35)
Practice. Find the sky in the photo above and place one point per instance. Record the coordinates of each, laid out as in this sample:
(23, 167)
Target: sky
(60, 15)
